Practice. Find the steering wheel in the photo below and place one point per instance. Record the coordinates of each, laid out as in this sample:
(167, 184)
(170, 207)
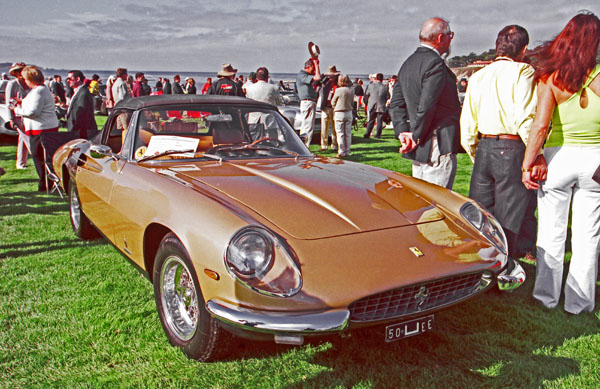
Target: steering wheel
(216, 148)
(264, 139)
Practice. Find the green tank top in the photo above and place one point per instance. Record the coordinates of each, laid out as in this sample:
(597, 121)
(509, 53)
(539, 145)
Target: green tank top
(573, 125)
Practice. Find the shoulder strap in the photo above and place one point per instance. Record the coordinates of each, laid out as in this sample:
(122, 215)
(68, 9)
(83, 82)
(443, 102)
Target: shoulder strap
(592, 76)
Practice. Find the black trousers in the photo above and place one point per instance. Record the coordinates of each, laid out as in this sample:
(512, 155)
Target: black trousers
(496, 184)
(373, 114)
(37, 154)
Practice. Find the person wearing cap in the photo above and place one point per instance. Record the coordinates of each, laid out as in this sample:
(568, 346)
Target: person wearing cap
(225, 85)
(306, 81)
(37, 110)
(17, 89)
(328, 86)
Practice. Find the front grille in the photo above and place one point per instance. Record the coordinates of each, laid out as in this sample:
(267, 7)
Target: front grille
(414, 298)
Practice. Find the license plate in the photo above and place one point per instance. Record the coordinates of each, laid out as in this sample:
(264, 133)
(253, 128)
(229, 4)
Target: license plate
(408, 328)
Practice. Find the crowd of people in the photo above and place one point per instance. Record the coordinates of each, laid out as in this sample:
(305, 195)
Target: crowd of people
(530, 122)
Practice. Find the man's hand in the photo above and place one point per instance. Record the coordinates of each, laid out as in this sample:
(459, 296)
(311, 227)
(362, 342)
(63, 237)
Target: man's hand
(407, 144)
(539, 172)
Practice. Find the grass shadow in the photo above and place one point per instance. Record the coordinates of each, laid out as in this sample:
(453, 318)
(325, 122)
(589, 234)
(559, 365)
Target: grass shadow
(505, 333)
(25, 203)
(33, 248)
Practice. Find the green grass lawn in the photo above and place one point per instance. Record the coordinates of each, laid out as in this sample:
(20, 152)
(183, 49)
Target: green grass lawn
(75, 313)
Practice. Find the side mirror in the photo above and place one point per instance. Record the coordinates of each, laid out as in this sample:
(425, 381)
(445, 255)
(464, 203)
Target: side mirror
(100, 151)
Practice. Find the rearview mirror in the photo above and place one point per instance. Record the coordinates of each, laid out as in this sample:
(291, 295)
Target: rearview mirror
(219, 118)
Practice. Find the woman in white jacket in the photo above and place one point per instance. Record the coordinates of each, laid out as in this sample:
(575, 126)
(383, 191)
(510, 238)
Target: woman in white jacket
(342, 102)
(37, 110)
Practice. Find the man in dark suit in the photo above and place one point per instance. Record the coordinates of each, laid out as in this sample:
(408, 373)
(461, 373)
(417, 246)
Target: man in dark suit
(166, 86)
(376, 98)
(58, 89)
(80, 115)
(425, 109)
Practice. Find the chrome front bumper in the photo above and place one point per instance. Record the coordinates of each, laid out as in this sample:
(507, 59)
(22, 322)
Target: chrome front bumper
(282, 325)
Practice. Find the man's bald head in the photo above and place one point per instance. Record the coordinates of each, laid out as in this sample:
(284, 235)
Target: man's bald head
(432, 28)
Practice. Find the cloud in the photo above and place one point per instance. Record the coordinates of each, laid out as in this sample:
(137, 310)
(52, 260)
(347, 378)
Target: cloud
(361, 37)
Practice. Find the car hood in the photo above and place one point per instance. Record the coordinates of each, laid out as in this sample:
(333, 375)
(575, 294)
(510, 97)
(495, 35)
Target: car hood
(312, 198)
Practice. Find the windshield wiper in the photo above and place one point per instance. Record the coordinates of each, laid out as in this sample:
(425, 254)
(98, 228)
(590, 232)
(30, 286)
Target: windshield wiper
(167, 152)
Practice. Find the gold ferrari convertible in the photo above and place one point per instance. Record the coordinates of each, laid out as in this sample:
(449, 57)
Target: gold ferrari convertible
(239, 227)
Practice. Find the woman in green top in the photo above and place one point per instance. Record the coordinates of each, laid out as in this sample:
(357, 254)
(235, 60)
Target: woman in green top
(569, 96)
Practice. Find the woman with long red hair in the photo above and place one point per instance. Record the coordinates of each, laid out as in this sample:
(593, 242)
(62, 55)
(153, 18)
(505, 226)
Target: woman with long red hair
(569, 97)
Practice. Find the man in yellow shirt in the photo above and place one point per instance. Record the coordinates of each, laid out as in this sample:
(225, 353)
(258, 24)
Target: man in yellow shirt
(496, 117)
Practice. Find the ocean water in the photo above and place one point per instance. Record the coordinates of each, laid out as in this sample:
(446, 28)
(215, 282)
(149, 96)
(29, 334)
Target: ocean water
(199, 77)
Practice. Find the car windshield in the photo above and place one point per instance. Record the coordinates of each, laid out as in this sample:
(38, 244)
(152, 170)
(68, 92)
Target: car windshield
(211, 130)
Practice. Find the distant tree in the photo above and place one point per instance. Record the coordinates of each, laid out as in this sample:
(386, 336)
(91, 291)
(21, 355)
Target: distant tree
(464, 60)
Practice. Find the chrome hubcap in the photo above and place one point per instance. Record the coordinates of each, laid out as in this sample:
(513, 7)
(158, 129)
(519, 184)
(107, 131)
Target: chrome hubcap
(178, 296)
(75, 209)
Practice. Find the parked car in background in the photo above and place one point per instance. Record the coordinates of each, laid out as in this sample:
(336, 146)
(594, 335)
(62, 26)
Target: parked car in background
(289, 98)
(292, 113)
(5, 127)
(217, 201)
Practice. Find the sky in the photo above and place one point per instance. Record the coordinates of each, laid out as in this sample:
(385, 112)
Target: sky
(359, 37)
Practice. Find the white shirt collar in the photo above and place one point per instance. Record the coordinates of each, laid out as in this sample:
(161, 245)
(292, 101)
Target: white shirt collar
(430, 47)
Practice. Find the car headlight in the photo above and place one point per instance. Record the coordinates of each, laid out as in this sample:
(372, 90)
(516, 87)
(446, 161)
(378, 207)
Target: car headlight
(250, 253)
(486, 224)
(261, 261)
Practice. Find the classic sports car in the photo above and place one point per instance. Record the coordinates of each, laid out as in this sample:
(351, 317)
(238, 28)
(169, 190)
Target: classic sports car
(239, 227)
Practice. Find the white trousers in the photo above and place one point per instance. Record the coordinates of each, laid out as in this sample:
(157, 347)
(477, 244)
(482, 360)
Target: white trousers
(343, 130)
(307, 112)
(440, 171)
(570, 170)
(22, 148)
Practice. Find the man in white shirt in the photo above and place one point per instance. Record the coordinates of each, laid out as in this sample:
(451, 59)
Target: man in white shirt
(262, 90)
(119, 88)
(250, 81)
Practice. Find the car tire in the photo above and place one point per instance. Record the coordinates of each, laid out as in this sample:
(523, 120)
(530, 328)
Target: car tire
(82, 226)
(180, 304)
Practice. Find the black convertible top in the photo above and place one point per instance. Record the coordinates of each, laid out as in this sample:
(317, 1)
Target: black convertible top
(160, 100)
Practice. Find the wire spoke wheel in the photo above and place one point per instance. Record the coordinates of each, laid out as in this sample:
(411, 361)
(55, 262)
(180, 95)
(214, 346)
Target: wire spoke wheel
(179, 299)
(75, 206)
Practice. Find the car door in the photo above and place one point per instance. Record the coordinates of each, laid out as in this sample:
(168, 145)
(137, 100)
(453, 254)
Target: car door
(98, 169)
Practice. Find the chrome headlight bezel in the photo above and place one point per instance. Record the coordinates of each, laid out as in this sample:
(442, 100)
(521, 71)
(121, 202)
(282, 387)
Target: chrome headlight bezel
(244, 250)
(276, 274)
(486, 224)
